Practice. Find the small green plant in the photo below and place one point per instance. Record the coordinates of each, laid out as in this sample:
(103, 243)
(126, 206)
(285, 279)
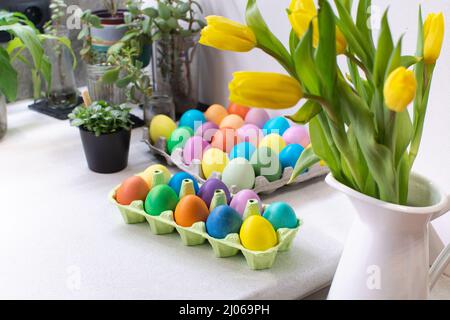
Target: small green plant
(112, 6)
(89, 20)
(101, 118)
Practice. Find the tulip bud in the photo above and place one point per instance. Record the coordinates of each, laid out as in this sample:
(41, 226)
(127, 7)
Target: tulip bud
(433, 36)
(225, 34)
(265, 90)
(400, 89)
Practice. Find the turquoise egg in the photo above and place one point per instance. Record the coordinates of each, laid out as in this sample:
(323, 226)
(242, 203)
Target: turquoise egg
(192, 119)
(242, 150)
(281, 215)
(277, 125)
(290, 154)
(177, 180)
(223, 221)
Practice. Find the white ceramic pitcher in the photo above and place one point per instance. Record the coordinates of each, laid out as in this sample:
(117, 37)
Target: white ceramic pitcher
(386, 255)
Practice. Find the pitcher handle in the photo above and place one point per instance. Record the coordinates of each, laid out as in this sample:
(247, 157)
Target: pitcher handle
(443, 260)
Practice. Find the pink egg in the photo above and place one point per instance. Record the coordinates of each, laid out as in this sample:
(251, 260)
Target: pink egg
(194, 149)
(257, 117)
(297, 135)
(250, 133)
(207, 130)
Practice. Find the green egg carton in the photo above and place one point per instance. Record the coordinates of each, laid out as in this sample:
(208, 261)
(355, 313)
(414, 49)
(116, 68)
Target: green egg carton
(197, 235)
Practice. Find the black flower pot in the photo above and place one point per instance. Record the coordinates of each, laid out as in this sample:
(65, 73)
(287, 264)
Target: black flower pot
(107, 153)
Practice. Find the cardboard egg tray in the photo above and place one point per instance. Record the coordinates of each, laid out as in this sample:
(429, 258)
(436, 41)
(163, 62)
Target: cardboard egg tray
(197, 235)
(262, 185)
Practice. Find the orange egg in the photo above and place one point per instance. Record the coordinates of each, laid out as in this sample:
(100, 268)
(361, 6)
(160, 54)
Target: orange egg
(190, 209)
(225, 139)
(216, 113)
(132, 189)
(241, 111)
(232, 121)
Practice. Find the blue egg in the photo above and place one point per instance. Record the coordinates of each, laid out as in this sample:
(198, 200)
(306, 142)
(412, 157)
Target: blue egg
(242, 150)
(222, 221)
(281, 215)
(276, 125)
(177, 180)
(192, 119)
(290, 154)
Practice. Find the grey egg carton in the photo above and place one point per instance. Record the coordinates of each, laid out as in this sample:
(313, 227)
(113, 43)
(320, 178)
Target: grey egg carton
(262, 185)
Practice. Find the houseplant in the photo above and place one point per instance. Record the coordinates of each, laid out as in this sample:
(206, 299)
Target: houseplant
(24, 37)
(105, 131)
(359, 125)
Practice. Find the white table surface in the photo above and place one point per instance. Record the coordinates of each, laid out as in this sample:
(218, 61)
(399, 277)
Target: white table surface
(61, 238)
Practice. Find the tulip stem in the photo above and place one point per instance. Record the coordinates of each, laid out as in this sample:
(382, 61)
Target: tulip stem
(359, 64)
(324, 103)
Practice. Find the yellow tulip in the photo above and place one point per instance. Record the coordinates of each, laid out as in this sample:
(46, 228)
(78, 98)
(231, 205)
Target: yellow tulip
(265, 90)
(301, 13)
(400, 89)
(434, 35)
(225, 34)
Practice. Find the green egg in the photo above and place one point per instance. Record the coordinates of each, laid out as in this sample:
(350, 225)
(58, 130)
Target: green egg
(161, 198)
(178, 138)
(265, 162)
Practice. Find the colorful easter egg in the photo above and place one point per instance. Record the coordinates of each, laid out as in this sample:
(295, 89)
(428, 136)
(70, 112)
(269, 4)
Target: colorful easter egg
(190, 209)
(132, 189)
(161, 127)
(232, 121)
(297, 135)
(161, 198)
(258, 117)
(234, 108)
(194, 148)
(208, 189)
(216, 113)
(148, 174)
(273, 141)
(225, 139)
(178, 138)
(214, 160)
(242, 150)
(239, 172)
(177, 180)
(250, 133)
(240, 199)
(290, 154)
(207, 130)
(257, 234)
(281, 215)
(265, 162)
(277, 125)
(223, 221)
(193, 119)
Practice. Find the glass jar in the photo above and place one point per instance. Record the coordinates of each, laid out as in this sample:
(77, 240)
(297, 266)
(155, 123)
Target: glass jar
(175, 73)
(62, 92)
(99, 90)
(3, 117)
(158, 104)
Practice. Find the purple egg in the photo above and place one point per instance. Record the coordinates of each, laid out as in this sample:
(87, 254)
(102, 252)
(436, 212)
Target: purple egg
(258, 117)
(194, 149)
(297, 135)
(207, 190)
(207, 131)
(240, 199)
(250, 133)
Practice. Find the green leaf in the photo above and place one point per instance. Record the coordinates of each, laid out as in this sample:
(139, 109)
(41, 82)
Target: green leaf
(384, 51)
(267, 41)
(402, 135)
(293, 41)
(395, 59)
(307, 159)
(408, 61)
(124, 82)
(8, 76)
(404, 171)
(111, 76)
(363, 20)
(305, 65)
(308, 111)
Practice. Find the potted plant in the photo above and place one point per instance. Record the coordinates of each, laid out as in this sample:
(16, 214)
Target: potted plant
(105, 131)
(24, 37)
(360, 126)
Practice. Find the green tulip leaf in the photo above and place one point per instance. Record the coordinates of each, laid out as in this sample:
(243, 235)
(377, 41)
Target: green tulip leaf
(307, 159)
(304, 63)
(308, 111)
(384, 51)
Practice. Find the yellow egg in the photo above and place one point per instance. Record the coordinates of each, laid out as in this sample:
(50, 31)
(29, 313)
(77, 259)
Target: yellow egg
(161, 126)
(258, 234)
(274, 142)
(147, 175)
(214, 160)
